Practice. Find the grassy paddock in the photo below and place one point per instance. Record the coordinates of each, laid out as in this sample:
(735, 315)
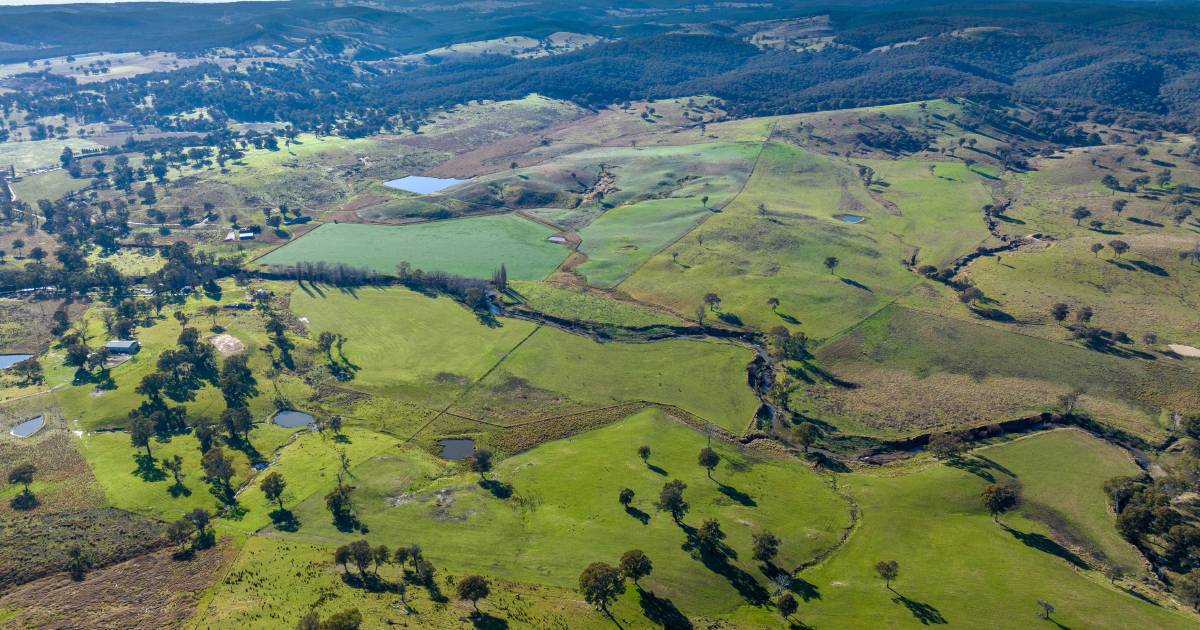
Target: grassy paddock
(564, 512)
(471, 247)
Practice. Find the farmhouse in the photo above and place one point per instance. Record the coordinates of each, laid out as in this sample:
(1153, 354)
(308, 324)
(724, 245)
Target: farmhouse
(123, 346)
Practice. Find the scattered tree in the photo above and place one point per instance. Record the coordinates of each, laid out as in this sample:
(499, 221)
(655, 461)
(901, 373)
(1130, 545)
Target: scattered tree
(626, 497)
(644, 453)
(766, 547)
(709, 459)
(601, 584)
(481, 462)
(787, 606)
(670, 500)
(77, 562)
(1047, 608)
(472, 588)
(999, 498)
(635, 565)
(831, 263)
(888, 570)
(272, 487)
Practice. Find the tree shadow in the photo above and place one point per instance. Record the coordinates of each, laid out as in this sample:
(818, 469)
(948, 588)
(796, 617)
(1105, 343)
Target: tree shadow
(638, 514)
(1149, 267)
(147, 468)
(240, 443)
(24, 501)
(737, 495)
(925, 613)
(284, 520)
(829, 377)
(1146, 222)
(657, 470)
(499, 489)
(716, 559)
(1122, 265)
(485, 621)
(787, 318)
(974, 465)
(1007, 219)
(805, 589)
(731, 319)
(1047, 545)
(179, 490)
(994, 314)
(662, 611)
(856, 284)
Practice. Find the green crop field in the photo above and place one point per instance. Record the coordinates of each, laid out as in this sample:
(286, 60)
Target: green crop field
(472, 247)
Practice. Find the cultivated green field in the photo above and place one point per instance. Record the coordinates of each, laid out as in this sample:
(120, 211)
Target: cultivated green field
(472, 247)
(34, 154)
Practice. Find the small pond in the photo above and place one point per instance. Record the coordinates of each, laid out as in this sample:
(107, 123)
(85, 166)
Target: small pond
(9, 360)
(422, 185)
(29, 427)
(260, 465)
(849, 218)
(457, 448)
(290, 418)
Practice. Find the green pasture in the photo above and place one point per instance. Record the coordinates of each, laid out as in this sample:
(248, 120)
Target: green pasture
(1147, 290)
(582, 304)
(958, 567)
(623, 238)
(747, 253)
(35, 154)
(408, 345)
(274, 582)
(564, 513)
(1062, 474)
(469, 247)
(900, 355)
(707, 378)
(52, 185)
(113, 462)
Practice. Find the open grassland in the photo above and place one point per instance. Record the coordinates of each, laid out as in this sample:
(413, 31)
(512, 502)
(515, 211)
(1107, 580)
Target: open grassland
(310, 464)
(912, 371)
(704, 377)
(1148, 290)
(51, 186)
(115, 463)
(479, 124)
(772, 241)
(935, 208)
(581, 304)
(313, 173)
(38, 154)
(957, 567)
(1062, 474)
(407, 345)
(472, 247)
(563, 512)
(430, 352)
(275, 582)
(131, 262)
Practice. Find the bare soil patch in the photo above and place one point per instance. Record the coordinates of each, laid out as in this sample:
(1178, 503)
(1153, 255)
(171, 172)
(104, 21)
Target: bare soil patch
(227, 344)
(149, 591)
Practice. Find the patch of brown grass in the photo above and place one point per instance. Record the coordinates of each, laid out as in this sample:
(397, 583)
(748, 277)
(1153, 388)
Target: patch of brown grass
(149, 591)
